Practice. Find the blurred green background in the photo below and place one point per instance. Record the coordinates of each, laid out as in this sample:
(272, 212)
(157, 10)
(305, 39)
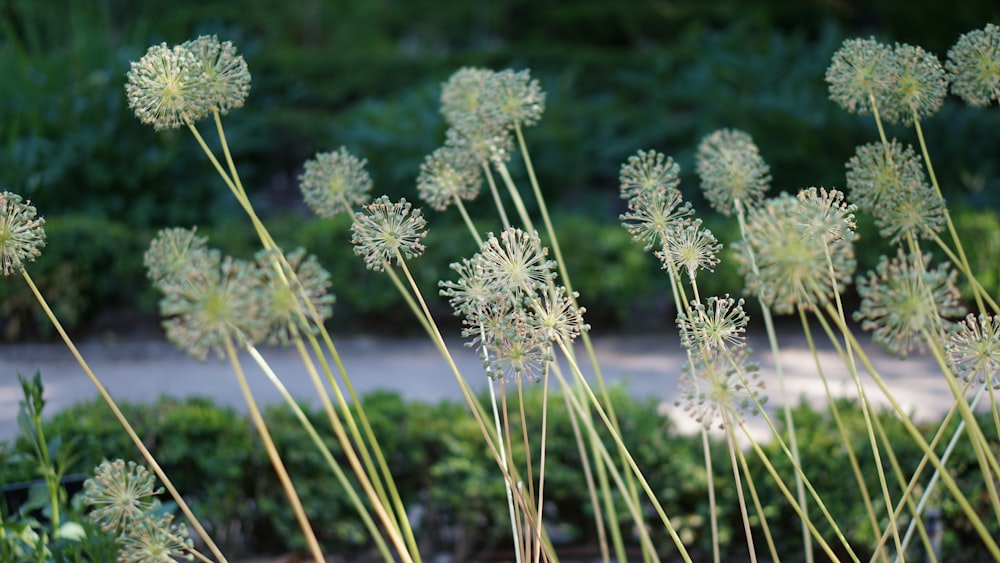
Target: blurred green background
(620, 76)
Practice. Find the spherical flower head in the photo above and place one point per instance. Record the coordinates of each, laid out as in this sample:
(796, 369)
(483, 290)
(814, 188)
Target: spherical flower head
(512, 99)
(648, 171)
(973, 349)
(170, 254)
(515, 262)
(827, 217)
(719, 387)
(555, 315)
(296, 293)
(731, 170)
(220, 300)
(119, 493)
(448, 175)
(919, 87)
(653, 216)
(155, 539)
(470, 293)
(715, 326)
(165, 88)
(792, 263)
(690, 248)
(22, 233)
(861, 73)
(481, 140)
(385, 231)
(903, 302)
(334, 182)
(512, 348)
(974, 66)
(876, 171)
(461, 94)
(224, 76)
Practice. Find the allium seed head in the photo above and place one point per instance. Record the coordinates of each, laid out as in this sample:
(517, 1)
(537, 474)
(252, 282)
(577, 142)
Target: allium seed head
(471, 293)
(860, 73)
(648, 171)
(119, 493)
(731, 169)
(719, 387)
(974, 66)
(223, 73)
(515, 262)
(171, 253)
(903, 302)
(296, 292)
(876, 171)
(715, 326)
(919, 87)
(973, 349)
(22, 233)
(461, 94)
(448, 175)
(334, 182)
(690, 247)
(556, 316)
(155, 539)
(386, 231)
(653, 216)
(512, 99)
(165, 88)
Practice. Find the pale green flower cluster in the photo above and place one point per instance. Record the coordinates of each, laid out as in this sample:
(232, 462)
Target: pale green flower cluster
(335, 182)
(732, 171)
(385, 232)
(22, 233)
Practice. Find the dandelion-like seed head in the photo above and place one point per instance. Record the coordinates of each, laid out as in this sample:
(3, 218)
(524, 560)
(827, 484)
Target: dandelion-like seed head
(515, 262)
(717, 325)
(648, 171)
(512, 348)
(826, 216)
(653, 216)
(720, 387)
(731, 170)
(512, 98)
(556, 315)
(155, 539)
(385, 231)
(461, 94)
(973, 349)
(165, 88)
(224, 76)
(974, 66)
(919, 87)
(219, 300)
(876, 171)
(170, 254)
(902, 301)
(296, 293)
(471, 293)
(334, 182)
(447, 175)
(916, 210)
(860, 73)
(690, 247)
(22, 233)
(119, 493)
(481, 140)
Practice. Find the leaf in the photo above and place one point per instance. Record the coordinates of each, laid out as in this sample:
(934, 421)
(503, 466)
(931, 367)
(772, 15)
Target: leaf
(71, 531)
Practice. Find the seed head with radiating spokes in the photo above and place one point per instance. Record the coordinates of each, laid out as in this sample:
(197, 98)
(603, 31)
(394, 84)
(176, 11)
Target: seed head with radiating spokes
(689, 247)
(22, 233)
(512, 98)
(919, 87)
(861, 72)
(219, 300)
(334, 182)
(385, 231)
(512, 347)
(876, 171)
(648, 171)
(223, 72)
(447, 175)
(296, 293)
(155, 539)
(471, 293)
(973, 349)
(461, 94)
(171, 253)
(653, 216)
(826, 216)
(717, 325)
(731, 168)
(721, 386)
(515, 263)
(903, 302)
(556, 316)
(119, 493)
(165, 88)
(974, 66)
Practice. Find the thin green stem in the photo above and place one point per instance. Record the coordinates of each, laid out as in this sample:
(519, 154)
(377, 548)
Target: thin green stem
(714, 520)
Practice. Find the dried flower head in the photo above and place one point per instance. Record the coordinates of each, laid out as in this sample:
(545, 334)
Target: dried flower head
(296, 293)
(511, 347)
(731, 170)
(903, 302)
(223, 73)
(386, 231)
(449, 174)
(165, 88)
(974, 66)
(22, 233)
(471, 293)
(170, 253)
(119, 493)
(653, 216)
(648, 171)
(861, 73)
(555, 315)
(973, 349)
(334, 182)
(828, 218)
(719, 387)
(155, 539)
(512, 99)
(715, 326)
(919, 87)
(690, 247)
(218, 301)
(461, 94)
(515, 263)
(876, 171)
(482, 141)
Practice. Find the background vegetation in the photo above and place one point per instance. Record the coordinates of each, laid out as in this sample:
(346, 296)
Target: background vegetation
(620, 76)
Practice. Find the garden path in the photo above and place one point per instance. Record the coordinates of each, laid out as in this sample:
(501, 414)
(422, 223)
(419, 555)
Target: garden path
(649, 365)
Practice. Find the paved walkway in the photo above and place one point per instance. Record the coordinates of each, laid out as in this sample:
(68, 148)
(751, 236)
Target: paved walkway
(649, 365)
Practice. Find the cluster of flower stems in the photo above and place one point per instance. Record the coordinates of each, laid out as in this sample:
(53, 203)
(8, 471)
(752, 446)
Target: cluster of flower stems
(520, 312)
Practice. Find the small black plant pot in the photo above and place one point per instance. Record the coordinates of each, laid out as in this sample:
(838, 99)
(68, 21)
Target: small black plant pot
(16, 494)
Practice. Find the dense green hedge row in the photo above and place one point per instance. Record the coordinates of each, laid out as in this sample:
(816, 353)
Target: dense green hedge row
(212, 455)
